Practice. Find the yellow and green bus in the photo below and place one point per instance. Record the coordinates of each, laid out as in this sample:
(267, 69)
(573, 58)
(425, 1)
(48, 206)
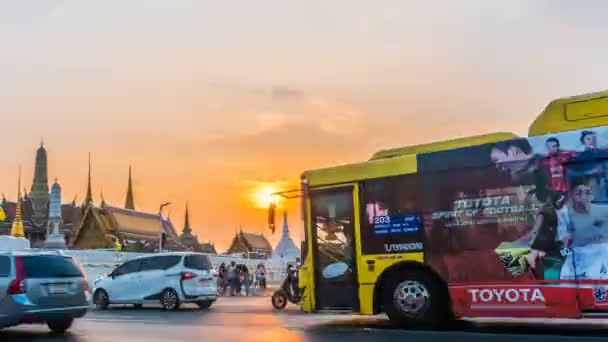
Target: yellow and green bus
(493, 225)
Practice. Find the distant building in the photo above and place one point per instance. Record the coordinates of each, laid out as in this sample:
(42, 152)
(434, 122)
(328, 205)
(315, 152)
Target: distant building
(39, 198)
(54, 236)
(35, 207)
(207, 247)
(100, 226)
(286, 250)
(84, 225)
(187, 239)
(252, 245)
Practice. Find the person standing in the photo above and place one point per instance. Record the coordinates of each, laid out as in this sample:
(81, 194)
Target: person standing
(232, 278)
(554, 165)
(246, 280)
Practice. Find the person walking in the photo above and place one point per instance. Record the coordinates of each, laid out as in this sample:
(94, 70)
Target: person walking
(246, 280)
(239, 279)
(261, 275)
(232, 278)
(222, 279)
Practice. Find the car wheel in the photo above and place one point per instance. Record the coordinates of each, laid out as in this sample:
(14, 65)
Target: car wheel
(204, 304)
(169, 300)
(414, 299)
(279, 300)
(60, 326)
(101, 300)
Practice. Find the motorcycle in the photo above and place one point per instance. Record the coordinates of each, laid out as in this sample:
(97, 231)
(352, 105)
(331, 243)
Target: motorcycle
(289, 290)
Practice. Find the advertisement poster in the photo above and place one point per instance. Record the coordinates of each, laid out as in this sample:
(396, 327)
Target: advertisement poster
(392, 223)
(526, 209)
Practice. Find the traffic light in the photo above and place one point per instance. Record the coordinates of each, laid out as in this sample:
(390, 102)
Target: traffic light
(271, 214)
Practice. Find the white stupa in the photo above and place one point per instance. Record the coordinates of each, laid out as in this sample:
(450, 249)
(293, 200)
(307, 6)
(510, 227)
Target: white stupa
(286, 250)
(55, 238)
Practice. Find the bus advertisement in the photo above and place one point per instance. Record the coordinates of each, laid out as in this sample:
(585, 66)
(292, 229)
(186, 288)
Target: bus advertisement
(486, 226)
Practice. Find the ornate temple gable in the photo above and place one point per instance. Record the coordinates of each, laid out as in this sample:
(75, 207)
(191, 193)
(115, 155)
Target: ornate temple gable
(207, 247)
(237, 246)
(93, 231)
(249, 242)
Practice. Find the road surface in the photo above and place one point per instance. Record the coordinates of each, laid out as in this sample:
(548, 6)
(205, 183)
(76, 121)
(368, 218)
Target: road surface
(253, 319)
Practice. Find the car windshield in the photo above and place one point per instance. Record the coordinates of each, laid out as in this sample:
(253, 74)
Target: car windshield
(50, 266)
(198, 262)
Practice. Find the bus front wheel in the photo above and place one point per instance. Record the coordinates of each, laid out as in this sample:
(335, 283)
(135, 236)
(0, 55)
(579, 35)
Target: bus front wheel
(413, 299)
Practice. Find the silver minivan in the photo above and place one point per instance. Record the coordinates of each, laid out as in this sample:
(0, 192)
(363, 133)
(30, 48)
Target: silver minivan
(40, 287)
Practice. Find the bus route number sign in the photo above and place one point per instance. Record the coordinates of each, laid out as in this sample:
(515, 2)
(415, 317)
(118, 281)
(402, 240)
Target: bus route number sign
(396, 224)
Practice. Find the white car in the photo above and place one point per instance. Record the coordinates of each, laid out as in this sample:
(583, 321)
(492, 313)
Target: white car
(170, 279)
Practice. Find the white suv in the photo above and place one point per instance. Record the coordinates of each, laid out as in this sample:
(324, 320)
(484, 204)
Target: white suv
(168, 278)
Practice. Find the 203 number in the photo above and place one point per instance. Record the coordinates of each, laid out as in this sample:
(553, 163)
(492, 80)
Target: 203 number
(382, 220)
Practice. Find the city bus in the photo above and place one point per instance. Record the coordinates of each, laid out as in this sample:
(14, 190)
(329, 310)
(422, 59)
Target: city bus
(494, 225)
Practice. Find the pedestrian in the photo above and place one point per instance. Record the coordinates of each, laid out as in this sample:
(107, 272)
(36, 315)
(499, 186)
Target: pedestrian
(246, 280)
(262, 275)
(232, 278)
(239, 279)
(222, 279)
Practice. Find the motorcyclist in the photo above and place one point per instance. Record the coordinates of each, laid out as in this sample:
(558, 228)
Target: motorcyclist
(292, 279)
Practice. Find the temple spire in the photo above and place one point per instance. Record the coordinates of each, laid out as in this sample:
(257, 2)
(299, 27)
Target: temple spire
(103, 200)
(17, 226)
(89, 197)
(19, 185)
(187, 229)
(285, 225)
(129, 202)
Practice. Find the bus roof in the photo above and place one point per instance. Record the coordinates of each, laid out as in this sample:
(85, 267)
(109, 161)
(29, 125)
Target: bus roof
(443, 145)
(364, 170)
(575, 112)
(563, 114)
(393, 162)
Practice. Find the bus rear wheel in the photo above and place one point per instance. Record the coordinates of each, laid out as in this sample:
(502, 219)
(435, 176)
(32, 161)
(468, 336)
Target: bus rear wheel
(414, 299)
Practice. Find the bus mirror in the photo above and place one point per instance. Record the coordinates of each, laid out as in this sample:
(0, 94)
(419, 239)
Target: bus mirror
(271, 214)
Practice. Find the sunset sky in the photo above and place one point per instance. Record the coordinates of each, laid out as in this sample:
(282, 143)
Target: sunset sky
(209, 99)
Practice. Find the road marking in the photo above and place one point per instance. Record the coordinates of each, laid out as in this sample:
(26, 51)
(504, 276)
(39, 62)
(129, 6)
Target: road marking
(118, 320)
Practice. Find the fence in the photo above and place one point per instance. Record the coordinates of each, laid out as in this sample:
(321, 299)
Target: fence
(98, 262)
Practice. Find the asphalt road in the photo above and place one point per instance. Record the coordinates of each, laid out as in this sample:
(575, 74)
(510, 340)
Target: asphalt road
(253, 319)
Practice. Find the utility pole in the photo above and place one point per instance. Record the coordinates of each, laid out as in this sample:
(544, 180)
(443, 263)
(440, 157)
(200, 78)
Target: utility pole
(160, 220)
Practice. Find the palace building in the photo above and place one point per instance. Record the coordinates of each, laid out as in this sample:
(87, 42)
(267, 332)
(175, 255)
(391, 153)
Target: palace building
(101, 226)
(88, 225)
(250, 245)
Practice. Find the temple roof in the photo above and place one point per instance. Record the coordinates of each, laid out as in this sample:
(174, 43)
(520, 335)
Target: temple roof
(255, 241)
(129, 224)
(126, 220)
(207, 247)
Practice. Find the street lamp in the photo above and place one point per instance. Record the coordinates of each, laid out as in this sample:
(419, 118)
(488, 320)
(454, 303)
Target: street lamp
(160, 217)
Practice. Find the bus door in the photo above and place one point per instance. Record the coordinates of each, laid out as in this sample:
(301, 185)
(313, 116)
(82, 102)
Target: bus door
(333, 248)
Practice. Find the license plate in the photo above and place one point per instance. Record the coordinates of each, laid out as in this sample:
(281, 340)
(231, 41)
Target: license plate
(55, 289)
(205, 282)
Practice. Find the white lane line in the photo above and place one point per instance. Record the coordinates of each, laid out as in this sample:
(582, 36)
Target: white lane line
(102, 320)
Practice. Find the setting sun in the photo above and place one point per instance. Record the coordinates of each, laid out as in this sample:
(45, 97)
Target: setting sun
(263, 195)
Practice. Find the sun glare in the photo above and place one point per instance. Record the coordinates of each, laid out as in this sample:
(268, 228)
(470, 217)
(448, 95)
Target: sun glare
(263, 196)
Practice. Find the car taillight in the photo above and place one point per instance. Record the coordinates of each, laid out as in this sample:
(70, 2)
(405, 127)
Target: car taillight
(188, 275)
(85, 279)
(17, 285)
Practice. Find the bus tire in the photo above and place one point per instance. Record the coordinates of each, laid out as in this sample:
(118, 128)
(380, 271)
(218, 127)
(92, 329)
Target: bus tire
(414, 299)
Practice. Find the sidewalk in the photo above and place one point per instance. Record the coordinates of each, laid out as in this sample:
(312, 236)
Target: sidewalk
(267, 292)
